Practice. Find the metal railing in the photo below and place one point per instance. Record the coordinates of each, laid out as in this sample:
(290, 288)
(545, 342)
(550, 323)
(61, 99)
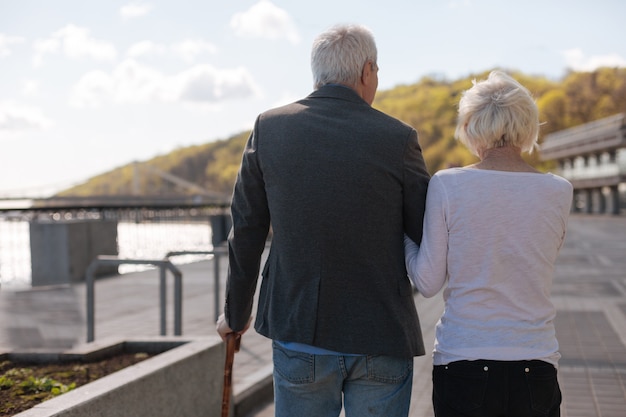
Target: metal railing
(143, 231)
(217, 253)
(162, 264)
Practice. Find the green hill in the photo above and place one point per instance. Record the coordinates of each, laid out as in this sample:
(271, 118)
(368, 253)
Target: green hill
(429, 105)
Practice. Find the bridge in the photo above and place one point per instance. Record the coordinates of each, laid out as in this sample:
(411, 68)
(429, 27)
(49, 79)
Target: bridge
(193, 195)
(52, 238)
(592, 157)
(218, 201)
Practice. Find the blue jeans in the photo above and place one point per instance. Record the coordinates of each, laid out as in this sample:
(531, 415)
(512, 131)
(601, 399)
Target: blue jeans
(317, 385)
(485, 388)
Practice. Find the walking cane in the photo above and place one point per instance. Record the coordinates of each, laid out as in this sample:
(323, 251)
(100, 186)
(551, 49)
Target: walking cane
(233, 341)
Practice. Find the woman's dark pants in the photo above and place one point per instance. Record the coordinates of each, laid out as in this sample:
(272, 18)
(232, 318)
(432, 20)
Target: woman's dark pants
(485, 388)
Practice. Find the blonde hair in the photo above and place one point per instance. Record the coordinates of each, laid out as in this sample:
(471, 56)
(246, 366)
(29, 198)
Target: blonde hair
(497, 112)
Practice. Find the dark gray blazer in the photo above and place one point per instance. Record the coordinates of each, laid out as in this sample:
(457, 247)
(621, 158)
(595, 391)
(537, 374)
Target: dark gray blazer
(340, 183)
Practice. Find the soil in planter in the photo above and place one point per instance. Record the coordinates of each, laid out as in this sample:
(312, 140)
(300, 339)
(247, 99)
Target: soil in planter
(22, 386)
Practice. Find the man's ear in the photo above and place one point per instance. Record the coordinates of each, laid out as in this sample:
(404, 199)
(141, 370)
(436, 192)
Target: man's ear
(366, 72)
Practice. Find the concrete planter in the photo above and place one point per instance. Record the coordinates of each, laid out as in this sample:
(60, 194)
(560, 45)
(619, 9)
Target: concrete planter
(184, 380)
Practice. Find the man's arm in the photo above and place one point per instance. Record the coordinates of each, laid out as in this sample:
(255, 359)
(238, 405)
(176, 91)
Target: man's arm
(251, 222)
(416, 179)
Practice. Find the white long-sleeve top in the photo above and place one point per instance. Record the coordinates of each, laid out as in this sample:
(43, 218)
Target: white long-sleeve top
(493, 236)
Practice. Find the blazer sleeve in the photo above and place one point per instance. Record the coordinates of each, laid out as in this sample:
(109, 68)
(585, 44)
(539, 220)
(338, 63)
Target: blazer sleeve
(251, 222)
(416, 179)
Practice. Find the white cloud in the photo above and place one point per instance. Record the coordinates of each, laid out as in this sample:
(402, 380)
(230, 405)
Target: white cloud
(134, 10)
(135, 83)
(576, 60)
(43, 47)
(145, 48)
(131, 82)
(30, 88)
(265, 20)
(6, 42)
(188, 49)
(19, 117)
(206, 84)
(91, 89)
(74, 42)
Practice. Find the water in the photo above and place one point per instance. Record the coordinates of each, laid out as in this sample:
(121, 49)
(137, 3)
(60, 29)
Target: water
(14, 253)
(134, 241)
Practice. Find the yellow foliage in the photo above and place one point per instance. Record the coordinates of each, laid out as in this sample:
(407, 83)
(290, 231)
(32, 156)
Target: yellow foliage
(430, 105)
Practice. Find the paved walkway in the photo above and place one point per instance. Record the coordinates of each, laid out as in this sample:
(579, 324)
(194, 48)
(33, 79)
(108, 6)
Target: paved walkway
(589, 293)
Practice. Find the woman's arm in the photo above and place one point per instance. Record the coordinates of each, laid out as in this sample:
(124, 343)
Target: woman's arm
(427, 264)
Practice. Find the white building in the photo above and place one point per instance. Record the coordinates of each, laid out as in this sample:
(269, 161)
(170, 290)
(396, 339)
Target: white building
(593, 158)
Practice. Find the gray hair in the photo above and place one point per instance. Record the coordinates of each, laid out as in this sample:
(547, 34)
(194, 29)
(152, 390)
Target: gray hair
(338, 55)
(497, 112)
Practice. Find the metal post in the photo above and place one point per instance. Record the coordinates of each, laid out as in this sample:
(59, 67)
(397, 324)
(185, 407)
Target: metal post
(163, 299)
(178, 303)
(162, 264)
(90, 303)
(216, 274)
(216, 252)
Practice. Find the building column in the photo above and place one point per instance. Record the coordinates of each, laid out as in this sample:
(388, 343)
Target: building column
(589, 200)
(612, 156)
(601, 201)
(575, 208)
(614, 196)
(598, 157)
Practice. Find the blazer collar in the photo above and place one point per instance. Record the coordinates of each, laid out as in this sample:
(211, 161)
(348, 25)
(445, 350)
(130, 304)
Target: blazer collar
(337, 91)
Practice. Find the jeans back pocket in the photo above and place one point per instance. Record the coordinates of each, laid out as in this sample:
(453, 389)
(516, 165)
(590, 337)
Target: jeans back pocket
(543, 387)
(295, 367)
(460, 385)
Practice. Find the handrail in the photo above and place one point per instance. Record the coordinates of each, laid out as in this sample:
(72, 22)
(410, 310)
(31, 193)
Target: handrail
(102, 260)
(216, 252)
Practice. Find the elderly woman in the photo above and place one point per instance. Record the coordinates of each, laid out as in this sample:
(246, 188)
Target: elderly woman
(492, 232)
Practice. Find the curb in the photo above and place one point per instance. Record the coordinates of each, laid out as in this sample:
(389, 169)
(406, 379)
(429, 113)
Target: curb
(254, 392)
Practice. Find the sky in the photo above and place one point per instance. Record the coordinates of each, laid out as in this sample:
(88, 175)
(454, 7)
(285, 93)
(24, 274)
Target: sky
(88, 86)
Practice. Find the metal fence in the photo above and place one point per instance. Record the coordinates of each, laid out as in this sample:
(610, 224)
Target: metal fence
(143, 232)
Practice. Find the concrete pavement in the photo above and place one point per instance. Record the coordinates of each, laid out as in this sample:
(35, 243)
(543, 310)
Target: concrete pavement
(589, 294)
